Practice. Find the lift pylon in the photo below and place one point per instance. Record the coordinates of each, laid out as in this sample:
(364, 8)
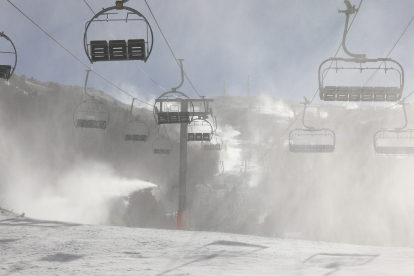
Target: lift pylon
(175, 107)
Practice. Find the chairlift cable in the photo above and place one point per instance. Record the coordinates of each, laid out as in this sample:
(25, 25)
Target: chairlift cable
(390, 51)
(170, 47)
(391, 106)
(299, 114)
(74, 55)
(133, 60)
(340, 45)
(386, 56)
(380, 66)
(383, 63)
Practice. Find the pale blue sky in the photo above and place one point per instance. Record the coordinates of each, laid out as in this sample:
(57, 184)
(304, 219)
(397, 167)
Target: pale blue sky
(280, 44)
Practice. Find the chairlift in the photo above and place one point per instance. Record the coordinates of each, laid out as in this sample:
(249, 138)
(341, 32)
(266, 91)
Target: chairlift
(359, 93)
(310, 139)
(162, 145)
(118, 50)
(216, 143)
(7, 70)
(136, 130)
(199, 130)
(91, 113)
(395, 142)
(174, 107)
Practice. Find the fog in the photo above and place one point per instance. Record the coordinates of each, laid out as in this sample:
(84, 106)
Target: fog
(83, 194)
(52, 170)
(350, 195)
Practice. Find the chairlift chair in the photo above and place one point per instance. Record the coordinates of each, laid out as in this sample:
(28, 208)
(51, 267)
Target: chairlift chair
(199, 130)
(359, 93)
(7, 70)
(118, 50)
(91, 113)
(395, 142)
(162, 145)
(216, 143)
(136, 130)
(310, 139)
(174, 107)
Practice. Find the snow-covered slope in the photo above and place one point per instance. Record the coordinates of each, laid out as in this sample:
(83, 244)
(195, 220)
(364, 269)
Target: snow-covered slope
(36, 247)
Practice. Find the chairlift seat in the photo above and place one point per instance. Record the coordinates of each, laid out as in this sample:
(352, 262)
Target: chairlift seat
(81, 123)
(199, 136)
(162, 117)
(311, 148)
(117, 50)
(5, 71)
(99, 50)
(91, 124)
(184, 117)
(329, 93)
(392, 94)
(206, 136)
(355, 93)
(212, 147)
(342, 94)
(136, 137)
(379, 95)
(142, 138)
(191, 137)
(367, 94)
(395, 150)
(101, 124)
(136, 49)
(162, 151)
(173, 117)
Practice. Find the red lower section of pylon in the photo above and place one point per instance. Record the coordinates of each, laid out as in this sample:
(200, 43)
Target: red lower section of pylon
(182, 220)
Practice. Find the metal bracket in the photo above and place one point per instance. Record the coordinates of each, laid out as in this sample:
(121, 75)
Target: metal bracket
(360, 58)
(306, 104)
(182, 75)
(403, 103)
(86, 82)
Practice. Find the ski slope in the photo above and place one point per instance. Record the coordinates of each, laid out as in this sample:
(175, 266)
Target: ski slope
(38, 247)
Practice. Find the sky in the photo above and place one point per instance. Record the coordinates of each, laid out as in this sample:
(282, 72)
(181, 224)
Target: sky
(279, 44)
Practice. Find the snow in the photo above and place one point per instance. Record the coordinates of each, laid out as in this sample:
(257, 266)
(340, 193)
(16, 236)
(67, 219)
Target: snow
(39, 247)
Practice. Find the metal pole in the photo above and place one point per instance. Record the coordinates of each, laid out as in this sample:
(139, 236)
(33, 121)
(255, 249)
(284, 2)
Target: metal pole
(182, 215)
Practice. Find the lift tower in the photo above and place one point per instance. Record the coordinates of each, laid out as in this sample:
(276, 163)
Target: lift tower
(174, 107)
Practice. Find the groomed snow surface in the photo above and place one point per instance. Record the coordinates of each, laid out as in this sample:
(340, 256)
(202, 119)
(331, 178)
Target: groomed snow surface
(38, 247)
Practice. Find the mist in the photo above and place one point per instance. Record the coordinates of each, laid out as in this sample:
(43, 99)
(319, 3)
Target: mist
(254, 185)
(83, 194)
